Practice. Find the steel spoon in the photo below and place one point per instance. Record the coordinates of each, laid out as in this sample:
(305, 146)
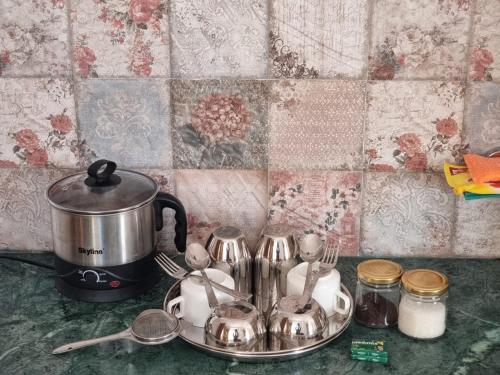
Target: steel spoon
(311, 251)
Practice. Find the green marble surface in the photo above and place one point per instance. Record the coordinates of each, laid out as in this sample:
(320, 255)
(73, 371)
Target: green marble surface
(35, 318)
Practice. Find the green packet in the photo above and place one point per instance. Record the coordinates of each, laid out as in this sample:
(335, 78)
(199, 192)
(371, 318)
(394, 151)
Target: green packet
(369, 345)
(370, 359)
(369, 353)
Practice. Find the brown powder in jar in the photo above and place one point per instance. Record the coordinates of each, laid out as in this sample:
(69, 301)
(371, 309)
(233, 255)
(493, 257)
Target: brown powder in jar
(373, 310)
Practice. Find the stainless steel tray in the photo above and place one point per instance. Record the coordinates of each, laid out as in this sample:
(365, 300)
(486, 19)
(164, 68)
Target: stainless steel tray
(195, 336)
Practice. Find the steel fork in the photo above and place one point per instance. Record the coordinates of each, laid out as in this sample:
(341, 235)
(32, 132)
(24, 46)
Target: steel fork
(177, 272)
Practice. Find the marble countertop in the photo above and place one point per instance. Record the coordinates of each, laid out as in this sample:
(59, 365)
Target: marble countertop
(35, 318)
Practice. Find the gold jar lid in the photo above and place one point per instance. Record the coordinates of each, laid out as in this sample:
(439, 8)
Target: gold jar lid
(424, 282)
(379, 271)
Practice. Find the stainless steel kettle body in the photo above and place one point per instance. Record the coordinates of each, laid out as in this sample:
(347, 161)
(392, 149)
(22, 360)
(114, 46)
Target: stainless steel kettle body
(105, 229)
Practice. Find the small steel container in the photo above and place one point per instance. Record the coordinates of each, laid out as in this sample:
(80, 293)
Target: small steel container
(276, 255)
(229, 253)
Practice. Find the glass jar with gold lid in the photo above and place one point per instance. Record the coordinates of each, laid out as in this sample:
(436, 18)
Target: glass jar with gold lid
(377, 293)
(423, 306)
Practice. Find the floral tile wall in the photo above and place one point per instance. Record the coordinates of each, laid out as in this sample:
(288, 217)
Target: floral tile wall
(413, 126)
(325, 38)
(120, 38)
(484, 64)
(334, 116)
(406, 214)
(478, 228)
(110, 109)
(482, 129)
(24, 210)
(419, 39)
(33, 38)
(316, 124)
(37, 123)
(215, 198)
(326, 202)
(218, 39)
(219, 124)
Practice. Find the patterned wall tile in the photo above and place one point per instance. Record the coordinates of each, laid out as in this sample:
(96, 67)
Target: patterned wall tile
(220, 124)
(24, 210)
(37, 123)
(33, 38)
(316, 124)
(324, 38)
(413, 125)
(406, 214)
(419, 39)
(482, 126)
(166, 180)
(478, 228)
(215, 198)
(326, 202)
(485, 53)
(126, 121)
(120, 38)
(218, 39)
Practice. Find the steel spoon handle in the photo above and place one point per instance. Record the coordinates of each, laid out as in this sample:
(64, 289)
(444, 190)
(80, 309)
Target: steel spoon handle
(81, 344)
(212, 299)
(225, 289)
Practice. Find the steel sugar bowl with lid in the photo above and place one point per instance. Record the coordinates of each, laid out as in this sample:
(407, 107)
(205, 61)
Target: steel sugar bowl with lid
(105, 226)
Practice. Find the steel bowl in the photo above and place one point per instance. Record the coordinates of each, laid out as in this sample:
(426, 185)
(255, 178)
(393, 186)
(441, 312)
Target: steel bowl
(236, 324)
(292, 326)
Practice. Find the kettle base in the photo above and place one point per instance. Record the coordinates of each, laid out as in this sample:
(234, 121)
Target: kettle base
(110, 295)
(106, 284)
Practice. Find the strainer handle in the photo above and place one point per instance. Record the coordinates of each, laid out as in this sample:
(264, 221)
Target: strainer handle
(81, 344)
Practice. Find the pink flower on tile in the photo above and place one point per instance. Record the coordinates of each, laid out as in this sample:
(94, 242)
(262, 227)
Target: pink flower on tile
(142, 10)
(481, 60)
(447, 127)
(381, 168)
(141, 58)
(85, 58)
(417, 162)
(372, 153)
(221, 116)
(7, 164)
(37, 158)
(27, 139)
(409, 143)
(61, 123)
(384, 72)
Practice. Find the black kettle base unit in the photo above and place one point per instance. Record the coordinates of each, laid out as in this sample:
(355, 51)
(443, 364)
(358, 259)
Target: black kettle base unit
(106, 284)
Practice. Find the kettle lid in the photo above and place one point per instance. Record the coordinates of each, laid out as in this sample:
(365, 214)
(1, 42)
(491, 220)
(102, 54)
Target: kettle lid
(102, 190)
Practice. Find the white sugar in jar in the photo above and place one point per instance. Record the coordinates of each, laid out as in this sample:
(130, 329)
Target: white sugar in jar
(422, 309)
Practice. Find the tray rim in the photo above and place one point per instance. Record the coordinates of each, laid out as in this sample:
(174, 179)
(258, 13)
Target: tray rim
(282, 355)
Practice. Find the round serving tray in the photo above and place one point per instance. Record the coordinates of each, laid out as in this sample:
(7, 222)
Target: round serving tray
(195, 336)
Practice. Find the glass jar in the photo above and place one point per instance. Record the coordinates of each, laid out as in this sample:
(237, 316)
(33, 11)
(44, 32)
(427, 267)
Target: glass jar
(377, 293)
(423, 306)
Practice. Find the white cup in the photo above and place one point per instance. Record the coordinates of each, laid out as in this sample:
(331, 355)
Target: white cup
(326, 293)
(192, 304)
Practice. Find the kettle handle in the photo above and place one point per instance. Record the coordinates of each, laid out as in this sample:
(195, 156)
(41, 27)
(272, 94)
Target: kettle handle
(165, 200)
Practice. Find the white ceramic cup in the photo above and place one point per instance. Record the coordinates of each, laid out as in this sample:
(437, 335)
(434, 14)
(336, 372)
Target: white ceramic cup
(192, 304)
(326, 293)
